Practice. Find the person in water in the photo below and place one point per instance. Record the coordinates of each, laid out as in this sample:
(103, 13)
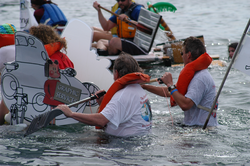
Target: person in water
(231, 49)
(125, 31)
(195, 85)
(123, 112)
(53, 44)
(7, 54)
(47, 12)
(58, 60)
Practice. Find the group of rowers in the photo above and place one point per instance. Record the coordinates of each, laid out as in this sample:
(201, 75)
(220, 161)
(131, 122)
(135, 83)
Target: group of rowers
(125, 109)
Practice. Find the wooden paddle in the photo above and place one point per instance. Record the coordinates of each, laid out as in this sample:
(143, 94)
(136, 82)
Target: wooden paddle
(153, 80)
(139, 26)
(44, 119)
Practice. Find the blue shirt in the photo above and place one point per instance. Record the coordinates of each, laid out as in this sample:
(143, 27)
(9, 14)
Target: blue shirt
(133, 16)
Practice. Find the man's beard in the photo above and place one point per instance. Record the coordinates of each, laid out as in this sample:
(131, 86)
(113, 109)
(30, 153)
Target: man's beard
(124, 8)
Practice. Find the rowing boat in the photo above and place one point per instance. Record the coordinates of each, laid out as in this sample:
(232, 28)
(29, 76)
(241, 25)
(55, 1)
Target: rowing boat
(167, 53)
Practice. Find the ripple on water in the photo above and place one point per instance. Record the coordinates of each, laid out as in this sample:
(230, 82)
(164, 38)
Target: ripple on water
(176, 144)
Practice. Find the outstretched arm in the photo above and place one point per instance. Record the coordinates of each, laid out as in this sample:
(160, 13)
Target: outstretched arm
(96, 119)
(184, 102)
(156, 90)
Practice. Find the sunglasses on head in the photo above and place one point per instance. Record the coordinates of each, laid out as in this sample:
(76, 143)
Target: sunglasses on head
(120, 0)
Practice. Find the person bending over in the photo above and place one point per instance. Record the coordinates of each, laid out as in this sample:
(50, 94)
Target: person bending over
(195, 85)
(123, 112)
(126, 32)
(47, 12)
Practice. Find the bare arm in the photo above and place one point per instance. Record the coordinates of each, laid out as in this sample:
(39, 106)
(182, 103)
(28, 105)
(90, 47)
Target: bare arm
(96, 119)
(156, 90)
(184, 102)
(106, 24)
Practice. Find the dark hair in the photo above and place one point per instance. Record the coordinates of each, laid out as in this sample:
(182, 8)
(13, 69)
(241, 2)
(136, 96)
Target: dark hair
(233, 45)
(40, 2)
(126, 64)
(195, 46)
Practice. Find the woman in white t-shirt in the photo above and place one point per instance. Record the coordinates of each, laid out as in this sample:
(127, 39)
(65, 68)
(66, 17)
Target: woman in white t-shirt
(127, 112)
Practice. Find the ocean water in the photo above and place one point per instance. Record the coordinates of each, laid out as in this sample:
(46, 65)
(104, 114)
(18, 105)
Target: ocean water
(170, 143)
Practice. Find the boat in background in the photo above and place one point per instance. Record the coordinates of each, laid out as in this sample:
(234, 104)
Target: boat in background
(167, 53)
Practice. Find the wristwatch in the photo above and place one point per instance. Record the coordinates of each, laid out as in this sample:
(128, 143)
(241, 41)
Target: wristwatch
(172, 87)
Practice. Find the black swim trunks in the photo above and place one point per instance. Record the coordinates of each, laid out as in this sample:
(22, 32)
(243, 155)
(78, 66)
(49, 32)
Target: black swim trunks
(130, 47)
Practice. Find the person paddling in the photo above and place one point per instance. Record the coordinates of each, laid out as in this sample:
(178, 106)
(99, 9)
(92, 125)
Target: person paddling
(195, 85)
(126, 32)
(99, 33)
(125, 109)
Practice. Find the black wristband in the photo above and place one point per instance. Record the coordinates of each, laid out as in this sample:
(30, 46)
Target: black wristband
(171, 87)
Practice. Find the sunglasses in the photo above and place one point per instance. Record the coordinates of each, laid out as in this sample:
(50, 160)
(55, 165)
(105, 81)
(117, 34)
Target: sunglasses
(120, 0)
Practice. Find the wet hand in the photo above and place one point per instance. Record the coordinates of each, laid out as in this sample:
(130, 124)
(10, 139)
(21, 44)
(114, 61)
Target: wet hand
(99, 100)
(167, 79)
(65, 109)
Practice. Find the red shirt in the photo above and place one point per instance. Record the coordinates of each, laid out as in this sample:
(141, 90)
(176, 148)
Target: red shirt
(39, 14)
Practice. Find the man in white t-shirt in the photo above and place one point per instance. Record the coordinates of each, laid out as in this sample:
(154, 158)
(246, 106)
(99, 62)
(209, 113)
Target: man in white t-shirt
(128, 113)
(200, 90)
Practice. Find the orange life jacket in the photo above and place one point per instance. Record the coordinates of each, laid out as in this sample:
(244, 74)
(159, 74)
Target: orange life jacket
(52, 48)
(132, 78)
(53, 51)
(125, 30)
(187, 74)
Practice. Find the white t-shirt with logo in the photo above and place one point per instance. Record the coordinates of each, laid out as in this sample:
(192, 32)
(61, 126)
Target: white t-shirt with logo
(201, 91)
(128, 112)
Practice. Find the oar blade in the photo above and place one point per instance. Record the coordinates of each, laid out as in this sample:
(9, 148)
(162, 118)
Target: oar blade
(42, 121)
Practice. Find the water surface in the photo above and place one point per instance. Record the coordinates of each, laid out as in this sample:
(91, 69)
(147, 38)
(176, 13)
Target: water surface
(221, 22)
